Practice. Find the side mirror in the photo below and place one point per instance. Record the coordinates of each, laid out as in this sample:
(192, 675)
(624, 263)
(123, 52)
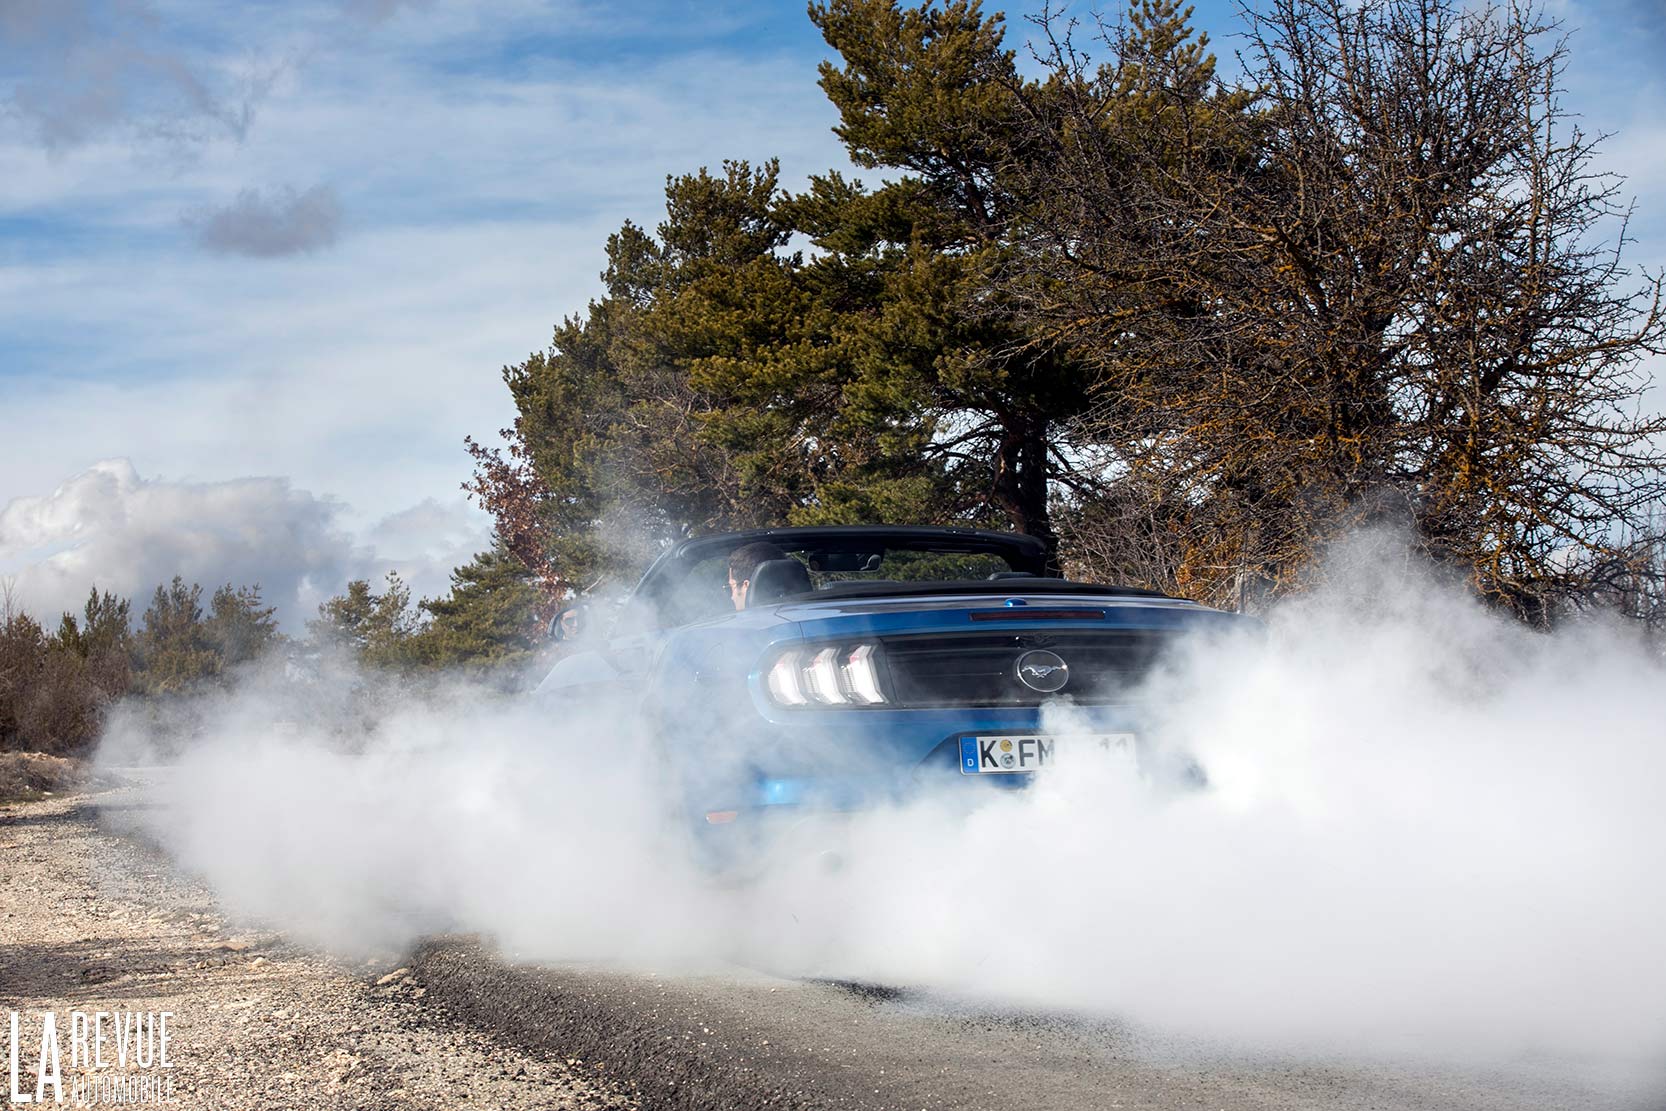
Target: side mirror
(567, 623)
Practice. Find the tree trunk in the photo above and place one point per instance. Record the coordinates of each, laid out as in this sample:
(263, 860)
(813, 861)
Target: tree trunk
(1020, 488)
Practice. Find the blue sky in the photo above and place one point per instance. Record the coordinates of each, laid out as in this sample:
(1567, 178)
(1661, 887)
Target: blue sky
(274, 255)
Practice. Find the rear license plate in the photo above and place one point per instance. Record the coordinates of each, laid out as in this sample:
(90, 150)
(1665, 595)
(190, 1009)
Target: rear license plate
(1008, 754)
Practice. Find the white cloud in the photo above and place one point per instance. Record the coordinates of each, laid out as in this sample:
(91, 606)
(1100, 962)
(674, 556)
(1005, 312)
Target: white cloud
(480, 209)
(328, 369)
(481, 197)
(425, 542)
(111, 528)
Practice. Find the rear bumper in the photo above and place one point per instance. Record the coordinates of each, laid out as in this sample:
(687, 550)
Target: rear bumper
(845, 760)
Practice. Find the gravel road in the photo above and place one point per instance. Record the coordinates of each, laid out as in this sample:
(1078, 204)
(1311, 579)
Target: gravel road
(741, 1039)
(96, 921)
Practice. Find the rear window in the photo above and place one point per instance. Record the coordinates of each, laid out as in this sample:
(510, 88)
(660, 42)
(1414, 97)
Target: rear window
(911, 566)
(704, 591)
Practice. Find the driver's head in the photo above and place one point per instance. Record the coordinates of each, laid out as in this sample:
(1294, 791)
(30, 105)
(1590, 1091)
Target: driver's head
(742, 562)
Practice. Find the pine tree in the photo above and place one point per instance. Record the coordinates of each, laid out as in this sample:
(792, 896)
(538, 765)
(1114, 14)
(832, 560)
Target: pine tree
(705, 390)
(239, 627)
(379, 630)
(103, 639)
(490, 622)
(173, 650)
(931, 96)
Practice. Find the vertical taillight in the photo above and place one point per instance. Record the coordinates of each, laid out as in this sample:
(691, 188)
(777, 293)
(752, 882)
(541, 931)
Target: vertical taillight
(831, 675)
(862, 677)
(783, 681)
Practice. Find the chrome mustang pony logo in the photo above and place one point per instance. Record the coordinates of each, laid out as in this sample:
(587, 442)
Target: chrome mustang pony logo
(1043, 671)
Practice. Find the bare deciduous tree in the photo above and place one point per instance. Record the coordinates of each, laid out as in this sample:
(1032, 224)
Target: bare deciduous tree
(1383, 279)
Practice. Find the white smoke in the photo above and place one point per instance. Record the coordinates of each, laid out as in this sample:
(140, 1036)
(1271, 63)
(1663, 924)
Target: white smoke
(1423, 826)
(361, 814)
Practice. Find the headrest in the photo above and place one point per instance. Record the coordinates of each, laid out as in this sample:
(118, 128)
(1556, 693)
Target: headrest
(1011, 575)
(776, 579)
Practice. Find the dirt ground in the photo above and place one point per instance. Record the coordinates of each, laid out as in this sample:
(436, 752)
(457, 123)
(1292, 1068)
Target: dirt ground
(93, 922)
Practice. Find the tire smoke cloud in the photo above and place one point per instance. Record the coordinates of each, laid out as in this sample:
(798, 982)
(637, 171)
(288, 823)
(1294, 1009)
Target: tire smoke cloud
(1423, 828)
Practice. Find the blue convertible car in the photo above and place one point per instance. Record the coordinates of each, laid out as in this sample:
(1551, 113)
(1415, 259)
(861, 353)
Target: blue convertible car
(851, 666)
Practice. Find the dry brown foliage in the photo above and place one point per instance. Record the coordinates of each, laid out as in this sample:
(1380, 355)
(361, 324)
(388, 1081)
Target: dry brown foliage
(25, 776)
(1390, 291)
(506, 484)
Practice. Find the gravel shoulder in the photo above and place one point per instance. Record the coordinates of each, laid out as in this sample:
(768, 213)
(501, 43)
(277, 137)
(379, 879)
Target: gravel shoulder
(96, 922)
(742, 1039)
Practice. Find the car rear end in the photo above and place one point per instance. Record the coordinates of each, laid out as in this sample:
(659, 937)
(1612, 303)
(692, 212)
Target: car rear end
(853, 705)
